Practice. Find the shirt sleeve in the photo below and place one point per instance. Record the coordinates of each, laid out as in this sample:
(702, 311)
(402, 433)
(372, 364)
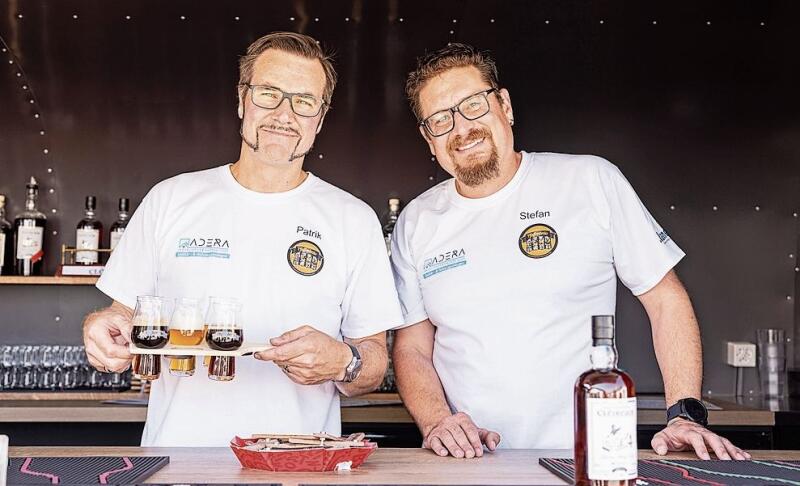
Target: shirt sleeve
(131, 270)
(370, 301)
(643, 252)
(405, 275)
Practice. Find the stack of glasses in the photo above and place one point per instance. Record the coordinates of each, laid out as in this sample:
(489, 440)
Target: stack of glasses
(54, 367)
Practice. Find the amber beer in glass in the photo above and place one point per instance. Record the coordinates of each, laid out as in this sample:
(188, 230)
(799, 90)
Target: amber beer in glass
(185, 329)
(223, 333)
(150, 331)
(605, 416)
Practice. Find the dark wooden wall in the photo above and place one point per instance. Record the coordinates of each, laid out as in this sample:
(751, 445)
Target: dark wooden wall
(697, 102)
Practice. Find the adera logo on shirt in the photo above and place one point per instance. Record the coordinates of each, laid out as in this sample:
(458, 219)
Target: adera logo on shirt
(443, 261)
(203, 247)
(305, 257)
(538, 241)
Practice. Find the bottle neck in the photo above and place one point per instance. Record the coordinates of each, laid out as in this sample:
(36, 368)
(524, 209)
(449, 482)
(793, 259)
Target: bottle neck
(603, 356)
(30, 201)
(89, 214)
(123, 216)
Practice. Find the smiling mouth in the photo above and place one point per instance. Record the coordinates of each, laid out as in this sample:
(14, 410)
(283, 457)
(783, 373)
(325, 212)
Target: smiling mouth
(470, 145)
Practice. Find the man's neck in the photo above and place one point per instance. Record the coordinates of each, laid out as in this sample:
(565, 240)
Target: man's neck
(261, 177)
(508, 169)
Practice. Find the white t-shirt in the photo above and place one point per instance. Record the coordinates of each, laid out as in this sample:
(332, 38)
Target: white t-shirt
(313, 255)
(511, 281)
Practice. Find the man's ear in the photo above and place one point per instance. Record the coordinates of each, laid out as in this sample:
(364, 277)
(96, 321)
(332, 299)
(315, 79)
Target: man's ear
(240, 108)
(505, 103)
(427, 138)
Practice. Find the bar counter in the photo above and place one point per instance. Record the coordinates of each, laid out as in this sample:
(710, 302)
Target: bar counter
(385, 466)
(370, 408)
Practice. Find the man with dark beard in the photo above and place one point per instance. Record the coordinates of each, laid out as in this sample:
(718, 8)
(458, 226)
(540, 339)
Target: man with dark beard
(306, 259)
(500, 269)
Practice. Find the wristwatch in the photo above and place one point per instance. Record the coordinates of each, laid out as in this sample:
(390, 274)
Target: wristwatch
(354, 368)
(690, 409)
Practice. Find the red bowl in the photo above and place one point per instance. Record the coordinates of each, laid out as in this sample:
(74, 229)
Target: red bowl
(300, 460)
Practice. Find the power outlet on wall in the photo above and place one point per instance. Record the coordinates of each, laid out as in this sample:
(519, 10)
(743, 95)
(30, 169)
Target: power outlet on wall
(741, 354)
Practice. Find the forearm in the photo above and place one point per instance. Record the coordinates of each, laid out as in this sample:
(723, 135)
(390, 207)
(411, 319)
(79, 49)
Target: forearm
(375, 360)
(676, 339)
(420, 388)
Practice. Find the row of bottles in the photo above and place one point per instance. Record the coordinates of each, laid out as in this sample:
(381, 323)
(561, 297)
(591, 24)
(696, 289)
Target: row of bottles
(89, 234)
(22, 244)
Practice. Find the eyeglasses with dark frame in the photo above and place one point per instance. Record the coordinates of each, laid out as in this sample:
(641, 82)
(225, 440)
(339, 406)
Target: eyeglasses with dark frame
(270, 97)
(472, 107)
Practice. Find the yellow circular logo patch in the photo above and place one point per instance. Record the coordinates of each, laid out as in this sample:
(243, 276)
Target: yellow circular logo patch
(538, 241)
(305, 257)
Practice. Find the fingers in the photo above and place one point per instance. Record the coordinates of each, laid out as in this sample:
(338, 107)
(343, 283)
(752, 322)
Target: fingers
(464, 447)
(734, 451)
(698, 444)
(102, 347)
(437, 446)
(715, 443)
(292, 335)
(659, 444)
(474, 446)
(490, 438)
(446, 436)
(284, 352)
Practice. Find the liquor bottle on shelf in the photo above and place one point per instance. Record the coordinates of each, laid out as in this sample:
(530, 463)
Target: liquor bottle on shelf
(6, 241)
(88, 235)
(389, 221)
(115, 233)
(605, 415)
(29, 228)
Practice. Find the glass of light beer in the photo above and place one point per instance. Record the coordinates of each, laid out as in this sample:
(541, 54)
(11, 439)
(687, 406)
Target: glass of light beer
(223, 333)
(185, 329)
(150, 331)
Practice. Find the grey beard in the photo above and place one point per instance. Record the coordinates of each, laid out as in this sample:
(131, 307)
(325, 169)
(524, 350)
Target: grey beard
(476, 174)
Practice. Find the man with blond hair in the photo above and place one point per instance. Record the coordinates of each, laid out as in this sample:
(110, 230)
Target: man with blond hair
(500, 269)
(306, 259)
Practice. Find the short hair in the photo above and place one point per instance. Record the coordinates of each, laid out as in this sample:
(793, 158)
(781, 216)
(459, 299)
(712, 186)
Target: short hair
(455, 55)
(294, 43)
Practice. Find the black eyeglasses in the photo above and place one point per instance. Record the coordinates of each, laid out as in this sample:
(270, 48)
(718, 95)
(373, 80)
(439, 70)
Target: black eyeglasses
(472, 107)
(270, 97)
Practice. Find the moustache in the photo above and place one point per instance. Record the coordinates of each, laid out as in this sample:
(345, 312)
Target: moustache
(474, 134)
(278, 128)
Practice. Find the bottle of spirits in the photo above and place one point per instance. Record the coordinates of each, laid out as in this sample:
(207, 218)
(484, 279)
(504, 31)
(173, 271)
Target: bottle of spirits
(87, 235)
(29, 228)
(605, 415)
(115, 233)
(6, 241)
(389, 221)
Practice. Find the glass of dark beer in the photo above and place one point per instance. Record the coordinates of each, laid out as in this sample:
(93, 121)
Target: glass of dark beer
(223, 333)
(150, 331)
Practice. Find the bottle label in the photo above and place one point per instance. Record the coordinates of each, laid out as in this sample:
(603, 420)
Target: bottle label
(29, 241)
(611, 438)
(87, 238)
(115, 237)
(2, 250)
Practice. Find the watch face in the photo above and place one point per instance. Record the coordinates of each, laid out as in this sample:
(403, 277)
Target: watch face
(695, 409)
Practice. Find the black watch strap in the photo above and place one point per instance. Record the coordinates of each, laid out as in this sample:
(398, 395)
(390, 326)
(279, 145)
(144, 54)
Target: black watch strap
(690, 409)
